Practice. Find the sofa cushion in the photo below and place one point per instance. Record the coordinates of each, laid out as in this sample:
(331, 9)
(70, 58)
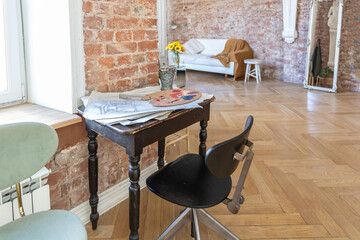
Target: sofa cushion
(213, 46)
(193, 46)
(199, 59)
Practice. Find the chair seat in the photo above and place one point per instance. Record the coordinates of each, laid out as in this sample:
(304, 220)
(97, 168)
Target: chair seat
(253, 61)
(49, 225)
(188, 182)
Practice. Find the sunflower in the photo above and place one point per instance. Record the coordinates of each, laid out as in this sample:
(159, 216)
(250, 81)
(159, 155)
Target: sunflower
(175, 47)
(170, 46)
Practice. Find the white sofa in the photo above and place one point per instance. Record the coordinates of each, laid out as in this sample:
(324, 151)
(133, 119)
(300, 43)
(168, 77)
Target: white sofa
(203, 61)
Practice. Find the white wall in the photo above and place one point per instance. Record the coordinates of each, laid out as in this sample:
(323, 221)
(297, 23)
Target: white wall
(51, 64)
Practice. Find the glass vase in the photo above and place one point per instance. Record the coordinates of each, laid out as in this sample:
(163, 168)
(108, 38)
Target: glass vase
(176, 59)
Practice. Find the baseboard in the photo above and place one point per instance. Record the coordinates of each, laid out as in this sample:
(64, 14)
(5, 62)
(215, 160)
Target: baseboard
(112, 196)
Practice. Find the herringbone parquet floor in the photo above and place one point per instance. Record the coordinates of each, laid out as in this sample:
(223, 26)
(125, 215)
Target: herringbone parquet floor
(304, 182)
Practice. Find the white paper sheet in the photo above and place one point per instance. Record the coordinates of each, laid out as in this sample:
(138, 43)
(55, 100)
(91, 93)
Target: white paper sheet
(127, 107)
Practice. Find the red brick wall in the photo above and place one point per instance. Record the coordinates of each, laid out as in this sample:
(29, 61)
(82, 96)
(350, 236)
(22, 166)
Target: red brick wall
(349, 63)
(260, 23)
(120, 43)
(294, 55)
(68, 182)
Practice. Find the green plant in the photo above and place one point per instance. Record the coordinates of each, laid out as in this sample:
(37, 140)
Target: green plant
(324, 72)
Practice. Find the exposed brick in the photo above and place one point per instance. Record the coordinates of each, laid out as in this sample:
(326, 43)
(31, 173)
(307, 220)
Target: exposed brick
(152, 78)
(147, 45)
(94, 77)
(60, 203)
(152, 35)
(107, 62)
(105, 36)
(102, 8)
(88, 36)
(139, 82)
(93, 22)
(122, 47)
(148, 23)
(76, 183)
(123, 60)
(149, 68)
(123, 35)
(260, 23)
(102, 87)
(138, 35)
(109, 66)
(87, 7)
(152, 56)
(56, 177)
(121, 10)
(65, 189)
(78, 197)
(54, 191)
(122, 23)
(93, 49)
(120, 86)
(77, 169)
(117, 74)
(138, 58)
(90, 64)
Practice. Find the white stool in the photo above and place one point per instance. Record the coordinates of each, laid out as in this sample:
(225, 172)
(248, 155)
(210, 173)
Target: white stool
(255, 72)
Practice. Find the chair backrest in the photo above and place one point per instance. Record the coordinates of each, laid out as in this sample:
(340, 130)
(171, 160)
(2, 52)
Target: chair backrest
(24, 149)
(220, 158)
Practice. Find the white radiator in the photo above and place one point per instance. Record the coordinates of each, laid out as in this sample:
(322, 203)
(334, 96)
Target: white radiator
(35, 196)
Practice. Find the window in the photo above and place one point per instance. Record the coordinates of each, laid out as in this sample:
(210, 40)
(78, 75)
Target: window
(11, 52)
(47, 38)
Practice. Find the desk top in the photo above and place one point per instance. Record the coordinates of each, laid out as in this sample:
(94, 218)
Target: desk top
(132, 129)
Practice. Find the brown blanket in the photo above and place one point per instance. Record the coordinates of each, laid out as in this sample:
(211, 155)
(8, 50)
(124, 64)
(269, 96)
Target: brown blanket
(236, 50)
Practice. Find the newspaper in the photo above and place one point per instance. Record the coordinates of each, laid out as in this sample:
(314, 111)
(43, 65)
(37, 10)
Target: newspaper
(127, 108)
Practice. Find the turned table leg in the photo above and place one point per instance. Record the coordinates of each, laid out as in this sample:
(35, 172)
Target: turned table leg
(93, 177)
(203, 136)
(134, 197)
(161, 153)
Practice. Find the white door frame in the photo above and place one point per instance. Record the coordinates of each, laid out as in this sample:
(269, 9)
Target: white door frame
(162, 31)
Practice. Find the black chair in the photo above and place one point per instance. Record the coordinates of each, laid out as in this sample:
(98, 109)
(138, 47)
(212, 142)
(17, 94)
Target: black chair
(197, 183)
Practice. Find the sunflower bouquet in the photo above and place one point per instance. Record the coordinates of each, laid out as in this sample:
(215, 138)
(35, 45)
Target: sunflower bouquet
(176, 47)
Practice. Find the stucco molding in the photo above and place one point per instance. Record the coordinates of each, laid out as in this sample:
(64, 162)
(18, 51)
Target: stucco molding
(289, 18)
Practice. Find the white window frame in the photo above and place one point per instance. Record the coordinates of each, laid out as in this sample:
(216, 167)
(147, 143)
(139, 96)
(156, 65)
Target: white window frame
(28, 81)
(54, 62)
(15, 66)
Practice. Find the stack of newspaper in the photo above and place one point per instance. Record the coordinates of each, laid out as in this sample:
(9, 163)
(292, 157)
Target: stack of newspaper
(127, 108)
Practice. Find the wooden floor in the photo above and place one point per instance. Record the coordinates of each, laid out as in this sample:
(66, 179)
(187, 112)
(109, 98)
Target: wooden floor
(304, 182)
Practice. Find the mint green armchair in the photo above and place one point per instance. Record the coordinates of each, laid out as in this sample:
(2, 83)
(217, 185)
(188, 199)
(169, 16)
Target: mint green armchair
(24, 149)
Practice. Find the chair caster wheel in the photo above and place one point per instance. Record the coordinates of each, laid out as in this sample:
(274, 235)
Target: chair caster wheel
(242, 199)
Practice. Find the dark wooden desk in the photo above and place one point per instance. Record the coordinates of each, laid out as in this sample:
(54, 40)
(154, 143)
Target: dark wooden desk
(134, 138)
